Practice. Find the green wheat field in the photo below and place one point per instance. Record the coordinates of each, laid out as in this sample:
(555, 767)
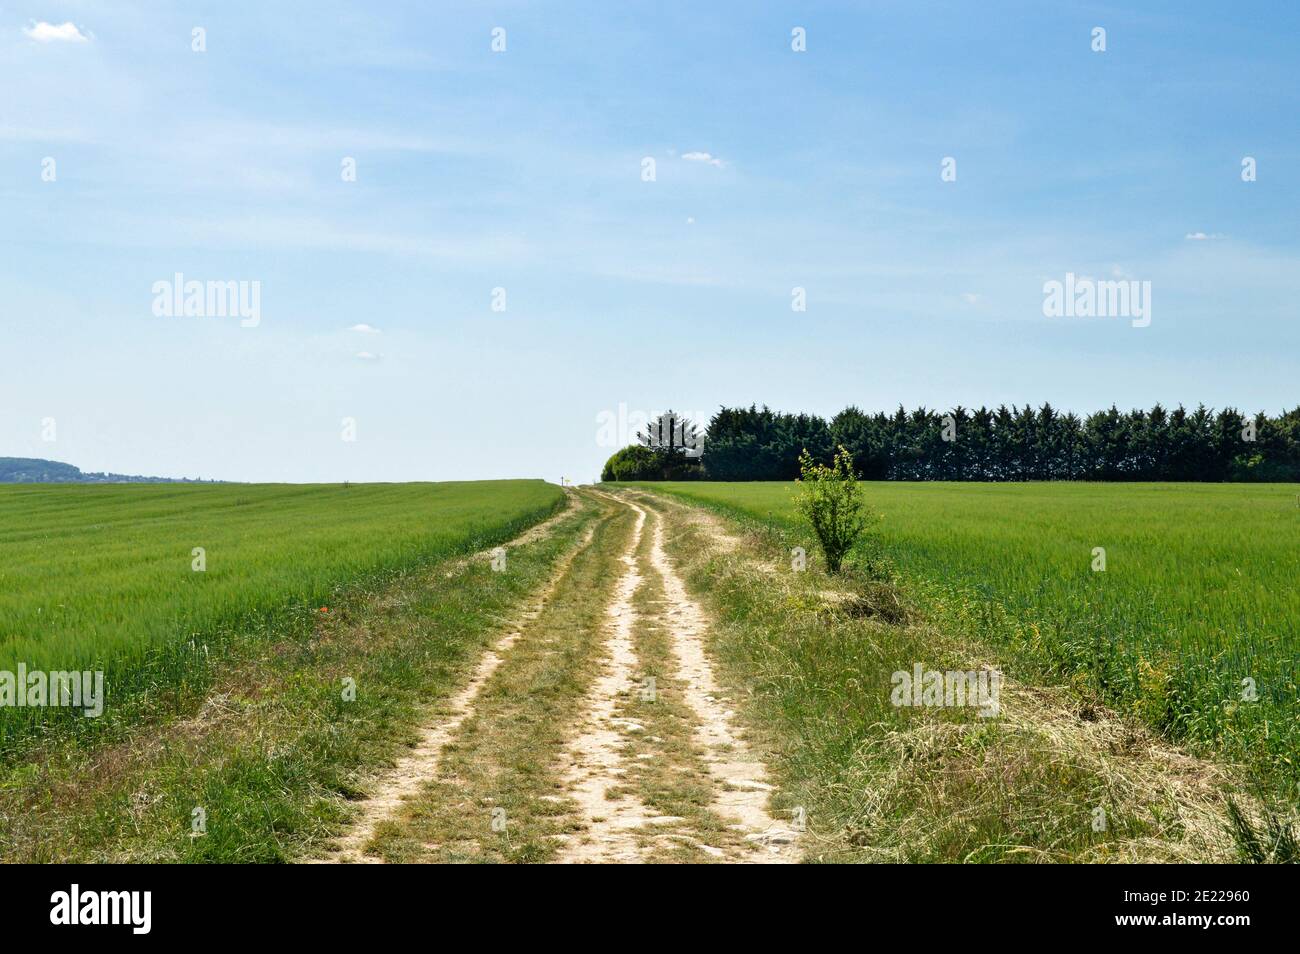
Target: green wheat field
(104, 577)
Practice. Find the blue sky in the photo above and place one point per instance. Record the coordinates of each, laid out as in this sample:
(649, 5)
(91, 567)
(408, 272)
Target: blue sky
(522, 170)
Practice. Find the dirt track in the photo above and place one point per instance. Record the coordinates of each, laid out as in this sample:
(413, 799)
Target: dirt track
(601, 790)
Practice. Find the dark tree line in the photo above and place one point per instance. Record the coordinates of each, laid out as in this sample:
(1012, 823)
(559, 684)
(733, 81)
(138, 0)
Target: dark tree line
(1001, 444)
(1044, 444)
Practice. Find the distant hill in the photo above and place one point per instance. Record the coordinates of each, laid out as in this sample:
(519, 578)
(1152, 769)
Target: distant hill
(33, 470)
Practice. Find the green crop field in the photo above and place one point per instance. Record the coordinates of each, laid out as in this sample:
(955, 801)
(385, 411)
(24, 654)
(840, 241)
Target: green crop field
(1194, 624)
(104, 577)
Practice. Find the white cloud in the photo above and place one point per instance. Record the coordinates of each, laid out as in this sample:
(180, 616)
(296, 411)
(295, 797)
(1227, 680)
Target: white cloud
(1200, 236)
(365, 329)
(703, 157)
(969, 298)
(44, 32)
(367, 356)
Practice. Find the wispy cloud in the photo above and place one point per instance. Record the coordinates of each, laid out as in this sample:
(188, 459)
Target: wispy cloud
(705, 157)
(365, 329)
(9, 133)
(367, 356)
(312, 232)
(1201, 236)
(44, 32)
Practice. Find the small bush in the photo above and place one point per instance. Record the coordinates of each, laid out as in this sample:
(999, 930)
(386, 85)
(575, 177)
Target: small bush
(831, 500)
(633, 463)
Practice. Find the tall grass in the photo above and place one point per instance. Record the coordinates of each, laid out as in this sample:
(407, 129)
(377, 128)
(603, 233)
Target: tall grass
(1199, 592)
(102, 577)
